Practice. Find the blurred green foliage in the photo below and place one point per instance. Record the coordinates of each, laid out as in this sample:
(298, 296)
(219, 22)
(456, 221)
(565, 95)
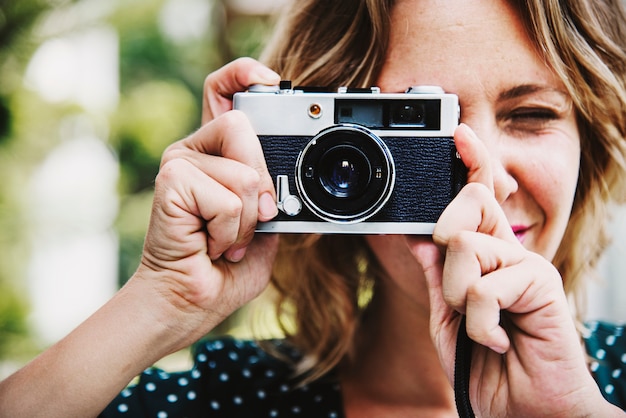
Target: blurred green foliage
(161, 82)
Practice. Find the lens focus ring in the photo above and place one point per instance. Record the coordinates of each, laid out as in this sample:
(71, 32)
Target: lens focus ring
(345, 174)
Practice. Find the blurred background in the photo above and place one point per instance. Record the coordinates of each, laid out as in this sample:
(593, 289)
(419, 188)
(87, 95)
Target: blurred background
(91, 92)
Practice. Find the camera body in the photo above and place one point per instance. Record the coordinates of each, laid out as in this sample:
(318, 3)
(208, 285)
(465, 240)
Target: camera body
(357, 161)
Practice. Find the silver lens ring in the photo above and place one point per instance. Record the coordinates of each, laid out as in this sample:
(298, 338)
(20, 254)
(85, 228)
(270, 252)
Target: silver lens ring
(345, 174)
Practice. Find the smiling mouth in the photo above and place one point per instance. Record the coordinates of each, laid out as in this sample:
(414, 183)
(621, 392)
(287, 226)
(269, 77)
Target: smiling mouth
(520, 232)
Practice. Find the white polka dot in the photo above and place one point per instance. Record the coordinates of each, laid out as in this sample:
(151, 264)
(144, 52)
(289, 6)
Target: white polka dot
(610, 340)
(600, 354)
(150, 387)
(295, 409)
(261, 394)
(224, 377)
(126, 393)
(237, 400)
(233, 356)
(318, 398)
(253, 359)
(218, 345)
(212, 364)
(609, 389)
(122, 407)
(191, 395)
(195, 373)
(162, 414)
(201, 357)
(246, 373)
(269, 373)
(215, 405)
(332, 414)
(172, 398)
(284, 388)
(163, 375)
(273, 413)
(616, 373)
(183, 381)
(594, 366)
(624, 358)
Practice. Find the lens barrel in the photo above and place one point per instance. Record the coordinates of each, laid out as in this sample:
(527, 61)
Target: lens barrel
(345, 174)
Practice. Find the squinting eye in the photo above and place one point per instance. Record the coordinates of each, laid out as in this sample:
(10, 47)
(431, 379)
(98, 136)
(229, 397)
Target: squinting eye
(534, 114)
(529, 119)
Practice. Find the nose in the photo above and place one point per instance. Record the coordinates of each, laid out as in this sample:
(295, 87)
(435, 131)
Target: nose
(503, 156)
(504, 182)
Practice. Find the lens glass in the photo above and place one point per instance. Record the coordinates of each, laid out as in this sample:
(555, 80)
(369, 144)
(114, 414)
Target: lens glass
(344, 171)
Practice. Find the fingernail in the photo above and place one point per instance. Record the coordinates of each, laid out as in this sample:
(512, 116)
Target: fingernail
(268, 74)
(499, 350)
(267, 207)
(468, 131)
(237, 255)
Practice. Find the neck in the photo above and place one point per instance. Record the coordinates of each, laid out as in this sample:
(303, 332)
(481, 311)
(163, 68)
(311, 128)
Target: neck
(395, 365)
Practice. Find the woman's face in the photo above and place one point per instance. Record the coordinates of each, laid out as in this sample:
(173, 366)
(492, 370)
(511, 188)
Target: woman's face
(479, 50)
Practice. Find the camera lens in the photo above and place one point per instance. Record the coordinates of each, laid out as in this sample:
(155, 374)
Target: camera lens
(345, 174)
(344, 171)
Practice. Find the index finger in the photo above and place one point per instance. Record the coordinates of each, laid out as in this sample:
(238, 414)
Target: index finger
(474, 209)
(236, 76)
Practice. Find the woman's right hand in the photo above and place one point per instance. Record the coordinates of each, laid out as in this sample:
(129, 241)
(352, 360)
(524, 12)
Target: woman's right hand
(212, 189)
(200, 262)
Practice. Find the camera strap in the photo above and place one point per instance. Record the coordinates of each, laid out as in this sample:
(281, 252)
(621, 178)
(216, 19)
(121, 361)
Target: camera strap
(462, 367)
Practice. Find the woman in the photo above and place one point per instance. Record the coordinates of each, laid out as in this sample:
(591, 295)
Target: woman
(542, 88)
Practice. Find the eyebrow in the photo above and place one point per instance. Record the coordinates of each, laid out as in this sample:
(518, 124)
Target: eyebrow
(527, 89)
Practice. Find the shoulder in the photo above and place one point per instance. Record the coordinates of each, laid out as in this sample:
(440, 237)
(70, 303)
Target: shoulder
(230, 377)
(606, 346)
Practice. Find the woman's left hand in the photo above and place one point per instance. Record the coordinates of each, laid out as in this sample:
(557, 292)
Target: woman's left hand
(528, 358)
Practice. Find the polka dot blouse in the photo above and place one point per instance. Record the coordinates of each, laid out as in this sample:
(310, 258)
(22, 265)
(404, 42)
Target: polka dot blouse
(234, 378)
(230, 378)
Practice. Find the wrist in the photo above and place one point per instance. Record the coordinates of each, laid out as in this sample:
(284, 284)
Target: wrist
(594, 404)
(170, 321)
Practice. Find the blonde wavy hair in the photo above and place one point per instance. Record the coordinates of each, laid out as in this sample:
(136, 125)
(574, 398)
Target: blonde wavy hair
(322, 282)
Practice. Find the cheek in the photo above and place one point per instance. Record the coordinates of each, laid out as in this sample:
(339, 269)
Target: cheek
(553, 182)
(550, 181)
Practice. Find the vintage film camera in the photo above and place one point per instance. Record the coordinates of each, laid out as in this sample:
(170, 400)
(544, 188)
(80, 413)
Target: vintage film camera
(357, 161)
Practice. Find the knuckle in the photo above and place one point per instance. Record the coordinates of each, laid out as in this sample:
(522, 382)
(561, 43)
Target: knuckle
(477, 191)
(479, 292)
(170, 170)
(461, 242)
(244, 62)
(246, 236)
(232, 208)
(172, 152)
(249, 181)
(476, 331)
(209, 81)
(233, 126)
(234, 119)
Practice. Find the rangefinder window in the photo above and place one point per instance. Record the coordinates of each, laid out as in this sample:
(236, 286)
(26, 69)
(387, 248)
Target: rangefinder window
(389, 114)
(363, 112)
